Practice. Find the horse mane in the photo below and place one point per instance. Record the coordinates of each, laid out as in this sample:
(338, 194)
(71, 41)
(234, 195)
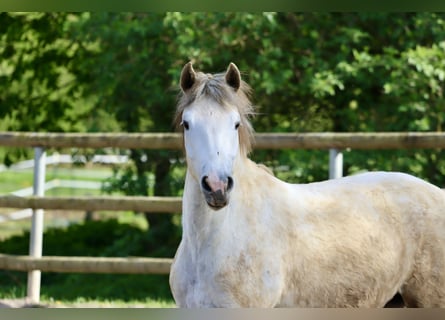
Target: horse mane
(214, 86)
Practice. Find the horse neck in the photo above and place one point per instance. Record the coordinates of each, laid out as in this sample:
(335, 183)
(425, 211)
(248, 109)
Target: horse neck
(195, 214)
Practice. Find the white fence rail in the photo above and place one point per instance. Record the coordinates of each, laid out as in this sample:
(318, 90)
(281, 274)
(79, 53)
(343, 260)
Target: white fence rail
(67, 159)
(35, 263)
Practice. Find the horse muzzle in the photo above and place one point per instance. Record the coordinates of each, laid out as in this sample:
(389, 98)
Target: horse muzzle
(216, 191)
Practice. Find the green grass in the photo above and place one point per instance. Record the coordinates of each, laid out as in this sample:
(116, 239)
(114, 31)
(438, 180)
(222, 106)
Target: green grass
(86, 302)
(94, 289)
(97, 173)
(15, 180)
(72, 192)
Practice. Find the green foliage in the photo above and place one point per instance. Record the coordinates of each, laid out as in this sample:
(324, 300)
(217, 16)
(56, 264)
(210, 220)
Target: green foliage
(38, 91)
(91, 238)
(310, 72)
(128, 182)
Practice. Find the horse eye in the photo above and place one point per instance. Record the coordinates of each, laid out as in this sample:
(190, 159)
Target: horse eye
(185, 124)
(237, 125)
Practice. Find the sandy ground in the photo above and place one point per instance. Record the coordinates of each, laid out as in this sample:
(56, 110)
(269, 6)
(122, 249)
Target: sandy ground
(18, 303)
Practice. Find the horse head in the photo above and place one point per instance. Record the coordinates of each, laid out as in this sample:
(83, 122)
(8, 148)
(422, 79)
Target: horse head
(214, 129)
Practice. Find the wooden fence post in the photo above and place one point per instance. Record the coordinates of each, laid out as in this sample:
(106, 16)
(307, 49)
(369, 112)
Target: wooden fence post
(36, 235)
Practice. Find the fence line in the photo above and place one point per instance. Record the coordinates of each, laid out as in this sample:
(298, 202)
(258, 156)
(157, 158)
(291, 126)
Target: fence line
(91, 140)
(86, 264)
(68, 159)
(55, 183)
(95, 203)
(60, 183)
(324, 140)
(16, 215)
(356, 140)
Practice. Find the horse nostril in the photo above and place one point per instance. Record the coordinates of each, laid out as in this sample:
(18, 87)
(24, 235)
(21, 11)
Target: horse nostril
(205, 185)
(208, 188)
(229, 183)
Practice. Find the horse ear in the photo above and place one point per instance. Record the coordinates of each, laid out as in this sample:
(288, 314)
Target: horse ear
(188, 76)
(233, 76)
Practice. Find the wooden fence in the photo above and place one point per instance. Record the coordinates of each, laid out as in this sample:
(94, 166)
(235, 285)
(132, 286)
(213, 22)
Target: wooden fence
(110, 203)
(34, 262)
(325, 140)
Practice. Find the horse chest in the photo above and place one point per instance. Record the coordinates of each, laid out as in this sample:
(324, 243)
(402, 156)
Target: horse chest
(238, 279)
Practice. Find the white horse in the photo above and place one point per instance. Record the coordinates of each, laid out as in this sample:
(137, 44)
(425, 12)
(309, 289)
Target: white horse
(251, 240)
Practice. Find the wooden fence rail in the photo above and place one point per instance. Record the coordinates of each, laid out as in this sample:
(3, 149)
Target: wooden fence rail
(91, 140)
(86, 264)
(357, 140)
(325, 140)
(87, 203)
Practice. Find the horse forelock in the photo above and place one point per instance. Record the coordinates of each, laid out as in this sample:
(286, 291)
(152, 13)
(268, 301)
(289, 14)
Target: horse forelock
(214, 86)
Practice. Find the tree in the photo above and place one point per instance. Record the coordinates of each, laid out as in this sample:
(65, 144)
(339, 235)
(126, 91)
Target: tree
(38, 93)
(330, 72)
